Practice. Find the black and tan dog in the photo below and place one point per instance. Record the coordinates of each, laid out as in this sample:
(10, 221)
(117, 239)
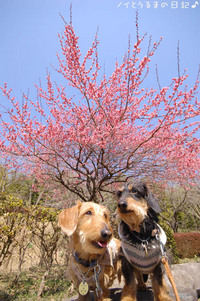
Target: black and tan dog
(141, 240)
(93, 262)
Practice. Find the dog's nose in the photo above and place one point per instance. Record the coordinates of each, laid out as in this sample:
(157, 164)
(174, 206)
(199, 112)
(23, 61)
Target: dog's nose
(122, 205)
(106, 233)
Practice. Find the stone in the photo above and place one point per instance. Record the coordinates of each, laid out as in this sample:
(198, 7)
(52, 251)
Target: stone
(192, 269)
(185, 279)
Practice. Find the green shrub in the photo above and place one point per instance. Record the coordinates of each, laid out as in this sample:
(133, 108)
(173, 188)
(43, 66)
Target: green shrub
(12, 220)
(171, 243)
(23, 227)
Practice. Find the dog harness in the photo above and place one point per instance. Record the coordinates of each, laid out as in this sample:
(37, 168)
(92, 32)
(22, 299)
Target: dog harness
(146, 254)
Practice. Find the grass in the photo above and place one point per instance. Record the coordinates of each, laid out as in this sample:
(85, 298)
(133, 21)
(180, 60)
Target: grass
(185, 260)
(26, 288)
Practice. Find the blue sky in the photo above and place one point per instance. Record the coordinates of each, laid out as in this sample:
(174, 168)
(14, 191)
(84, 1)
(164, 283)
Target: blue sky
(29, 36)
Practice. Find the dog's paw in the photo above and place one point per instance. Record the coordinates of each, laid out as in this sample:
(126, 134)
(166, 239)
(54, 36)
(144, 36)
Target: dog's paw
(128, 298)
(164, 297)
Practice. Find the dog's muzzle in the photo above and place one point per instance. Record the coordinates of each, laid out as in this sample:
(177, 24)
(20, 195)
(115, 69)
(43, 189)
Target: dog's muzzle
(106, 233)
(122, 205)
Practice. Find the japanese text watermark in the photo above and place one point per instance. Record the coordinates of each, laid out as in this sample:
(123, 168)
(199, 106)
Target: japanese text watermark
(173, 4)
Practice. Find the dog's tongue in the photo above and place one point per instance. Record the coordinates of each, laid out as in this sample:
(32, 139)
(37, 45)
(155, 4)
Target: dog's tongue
(102, 244)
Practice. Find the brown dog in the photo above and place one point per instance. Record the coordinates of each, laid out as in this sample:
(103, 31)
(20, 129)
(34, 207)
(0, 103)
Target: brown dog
(93, 262)
(142, 241)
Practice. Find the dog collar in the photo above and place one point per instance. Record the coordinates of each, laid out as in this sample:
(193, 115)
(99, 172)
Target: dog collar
(85, 263)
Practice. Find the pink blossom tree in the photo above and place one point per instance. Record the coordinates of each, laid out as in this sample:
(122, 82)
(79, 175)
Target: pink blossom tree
(111, 130)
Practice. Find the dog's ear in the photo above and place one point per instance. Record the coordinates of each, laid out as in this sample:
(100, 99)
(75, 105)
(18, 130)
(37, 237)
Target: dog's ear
(68, 219)
(153, 202)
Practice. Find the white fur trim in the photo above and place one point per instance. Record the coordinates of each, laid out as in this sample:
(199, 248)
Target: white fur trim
(112, 250)
(162, 235)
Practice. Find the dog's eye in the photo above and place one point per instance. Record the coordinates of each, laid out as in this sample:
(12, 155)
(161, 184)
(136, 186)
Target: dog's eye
(119, 193)
(136, 193)
(134, 190)
(88, 212)
(105, 215)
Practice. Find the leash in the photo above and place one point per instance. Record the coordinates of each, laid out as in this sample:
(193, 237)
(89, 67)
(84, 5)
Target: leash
(170, 277)
(168, 271)
(97, 271)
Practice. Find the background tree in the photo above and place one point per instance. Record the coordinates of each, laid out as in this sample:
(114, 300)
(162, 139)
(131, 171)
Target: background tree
(112, 129)
(180, 206)
(28, 189)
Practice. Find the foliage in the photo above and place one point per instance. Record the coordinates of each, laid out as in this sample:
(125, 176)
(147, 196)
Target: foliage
(113, 128)
(179, 206)
(171, 243)
(22, 226)
(57, 288)
(12, 219)
(27, 188)
(44, 227)
(188, 244)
